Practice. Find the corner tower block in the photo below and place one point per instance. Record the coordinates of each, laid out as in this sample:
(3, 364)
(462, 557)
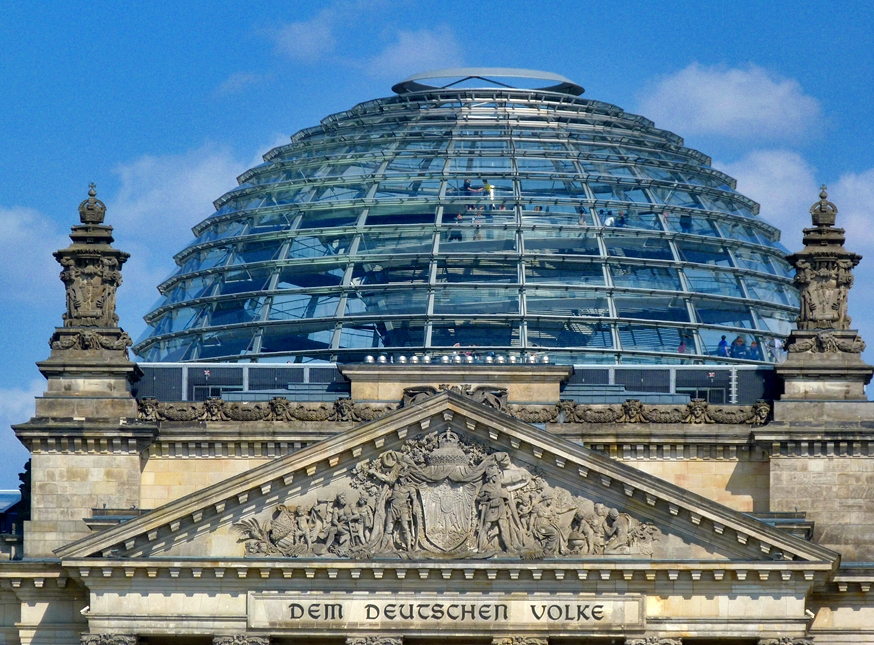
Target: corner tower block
(824, 354)
(85, 441)
(89, 372)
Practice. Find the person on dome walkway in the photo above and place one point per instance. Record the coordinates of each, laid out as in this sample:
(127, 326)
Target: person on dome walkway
(739, 349)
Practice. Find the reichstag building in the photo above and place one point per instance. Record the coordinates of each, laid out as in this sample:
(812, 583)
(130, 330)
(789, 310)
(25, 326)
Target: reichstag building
(483, 362)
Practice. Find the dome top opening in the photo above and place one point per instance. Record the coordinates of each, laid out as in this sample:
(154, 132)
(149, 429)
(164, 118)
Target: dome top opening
(488, 77)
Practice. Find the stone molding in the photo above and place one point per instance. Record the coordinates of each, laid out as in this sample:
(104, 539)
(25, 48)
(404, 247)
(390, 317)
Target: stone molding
(786, 640)
(696, 412)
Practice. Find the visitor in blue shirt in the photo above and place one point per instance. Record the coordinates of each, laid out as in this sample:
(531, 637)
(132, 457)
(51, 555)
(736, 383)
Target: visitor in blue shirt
(722, 348)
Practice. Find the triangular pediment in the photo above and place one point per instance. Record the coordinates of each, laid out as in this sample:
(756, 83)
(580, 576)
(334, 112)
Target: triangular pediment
(447, 478)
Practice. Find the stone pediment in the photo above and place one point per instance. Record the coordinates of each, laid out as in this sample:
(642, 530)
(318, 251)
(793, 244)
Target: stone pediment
(447, 479)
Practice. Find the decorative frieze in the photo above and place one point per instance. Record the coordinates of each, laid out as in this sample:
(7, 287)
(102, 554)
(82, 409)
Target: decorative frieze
(696, 412)
(786, 640)
(277, 409)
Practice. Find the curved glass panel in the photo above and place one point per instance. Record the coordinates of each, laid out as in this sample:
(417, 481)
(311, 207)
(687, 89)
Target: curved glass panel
(495, 220)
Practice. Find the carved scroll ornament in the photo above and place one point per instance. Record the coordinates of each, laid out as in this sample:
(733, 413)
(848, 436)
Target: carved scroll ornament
(87, 339)
(442, 496)
(827, 343)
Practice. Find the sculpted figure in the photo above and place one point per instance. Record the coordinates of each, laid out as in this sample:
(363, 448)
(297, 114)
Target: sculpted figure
(399, 515)
(363, 526)
(343, 517)
(302, 527)
(551, 525)
(618, 533)
(496, 517)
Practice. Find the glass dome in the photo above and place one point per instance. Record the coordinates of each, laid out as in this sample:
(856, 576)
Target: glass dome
(484, 219)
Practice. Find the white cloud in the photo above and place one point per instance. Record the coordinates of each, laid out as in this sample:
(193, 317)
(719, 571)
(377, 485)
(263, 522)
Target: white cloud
(853, 194)
(783, 183)
(417, 51)
(160, 198)
(28, 274)
(307, 40)
(743, 103)
(16, 406)
(239, 81)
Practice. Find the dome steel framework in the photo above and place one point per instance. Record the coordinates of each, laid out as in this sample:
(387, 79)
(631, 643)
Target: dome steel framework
(479, 219)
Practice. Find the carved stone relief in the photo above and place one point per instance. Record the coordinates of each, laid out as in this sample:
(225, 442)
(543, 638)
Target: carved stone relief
(786, 640)
(653, 640)
(442, 496)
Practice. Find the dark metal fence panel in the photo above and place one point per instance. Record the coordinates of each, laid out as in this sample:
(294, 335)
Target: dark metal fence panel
(590, 377)
(163, 383)
(644, 380)
(753, 385)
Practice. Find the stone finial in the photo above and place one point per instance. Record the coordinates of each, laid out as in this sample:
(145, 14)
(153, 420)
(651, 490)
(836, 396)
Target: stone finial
(824, 352)
(91, 275)
(92, 210)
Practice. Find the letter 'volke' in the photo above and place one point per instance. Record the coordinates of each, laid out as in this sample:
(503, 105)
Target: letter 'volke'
(464, 500)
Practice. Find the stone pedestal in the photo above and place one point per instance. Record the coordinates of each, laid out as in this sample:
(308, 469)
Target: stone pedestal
(825, 366)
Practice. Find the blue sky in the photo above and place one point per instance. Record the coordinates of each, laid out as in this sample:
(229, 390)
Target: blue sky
(164, 104)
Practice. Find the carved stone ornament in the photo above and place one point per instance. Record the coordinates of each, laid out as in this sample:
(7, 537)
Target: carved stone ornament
(108, 639)
(489, 396)
(696, 412)
(827, 343)
(241, 639)
(653, 640)
(89, 339)
(520, 640)
(278, 409)
(786, 640)
(91, 269)
(374, 640)
(442, 496)
(823, 271)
